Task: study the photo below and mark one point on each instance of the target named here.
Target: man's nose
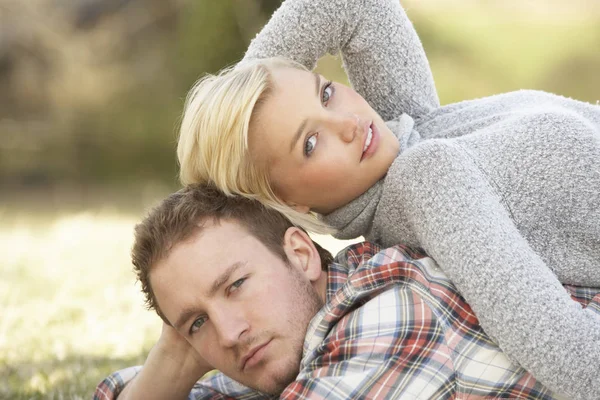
(346, 126)
(230, 328)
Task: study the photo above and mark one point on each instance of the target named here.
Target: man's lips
(253, 356)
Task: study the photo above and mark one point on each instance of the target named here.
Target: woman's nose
(347, 126)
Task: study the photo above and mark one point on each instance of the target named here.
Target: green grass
(71, 313)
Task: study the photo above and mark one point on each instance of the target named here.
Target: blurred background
(91, 92)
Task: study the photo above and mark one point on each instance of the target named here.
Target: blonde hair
(213, 138)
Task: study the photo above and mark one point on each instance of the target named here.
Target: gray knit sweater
(503, 192)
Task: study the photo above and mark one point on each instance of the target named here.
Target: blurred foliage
(487, 49)
(92, 91)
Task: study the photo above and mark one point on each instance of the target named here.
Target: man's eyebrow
(305, 121)
(187, 313)
(224, 277)
(184, 316)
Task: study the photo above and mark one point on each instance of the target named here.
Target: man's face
(240, 306)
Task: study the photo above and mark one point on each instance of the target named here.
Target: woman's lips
(370, 146)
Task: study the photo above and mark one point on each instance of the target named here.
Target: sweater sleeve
(461, 223)
(382, 53)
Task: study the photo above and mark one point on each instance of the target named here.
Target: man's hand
(173, 346)
(170, 371)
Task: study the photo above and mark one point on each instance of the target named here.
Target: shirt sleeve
(391, 347)
(462, 223)
(114, 384)
(214, 387)
(382, 53)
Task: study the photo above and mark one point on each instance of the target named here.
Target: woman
(503, 191)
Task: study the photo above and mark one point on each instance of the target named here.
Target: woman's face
(322, 143)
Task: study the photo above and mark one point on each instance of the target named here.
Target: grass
(71, 311)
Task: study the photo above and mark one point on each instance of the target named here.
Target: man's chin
(275, 377)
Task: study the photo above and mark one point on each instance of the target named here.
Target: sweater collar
(355, 218)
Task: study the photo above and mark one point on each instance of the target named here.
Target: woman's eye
(327, 93)
(310, 145)
(197, 324)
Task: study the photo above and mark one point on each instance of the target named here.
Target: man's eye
(197, 324)
(236, 285)
(310, 145)
(327, 93)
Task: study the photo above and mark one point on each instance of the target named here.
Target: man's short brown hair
(183, 214)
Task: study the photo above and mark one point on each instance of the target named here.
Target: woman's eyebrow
(317, 83)
(298, 134)
(305, 120)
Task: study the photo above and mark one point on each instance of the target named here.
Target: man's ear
(302, 253)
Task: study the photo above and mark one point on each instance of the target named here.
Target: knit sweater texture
(503, 192)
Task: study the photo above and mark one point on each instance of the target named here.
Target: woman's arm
(461, 223)
(382, 53)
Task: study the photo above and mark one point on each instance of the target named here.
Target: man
(243, 291)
